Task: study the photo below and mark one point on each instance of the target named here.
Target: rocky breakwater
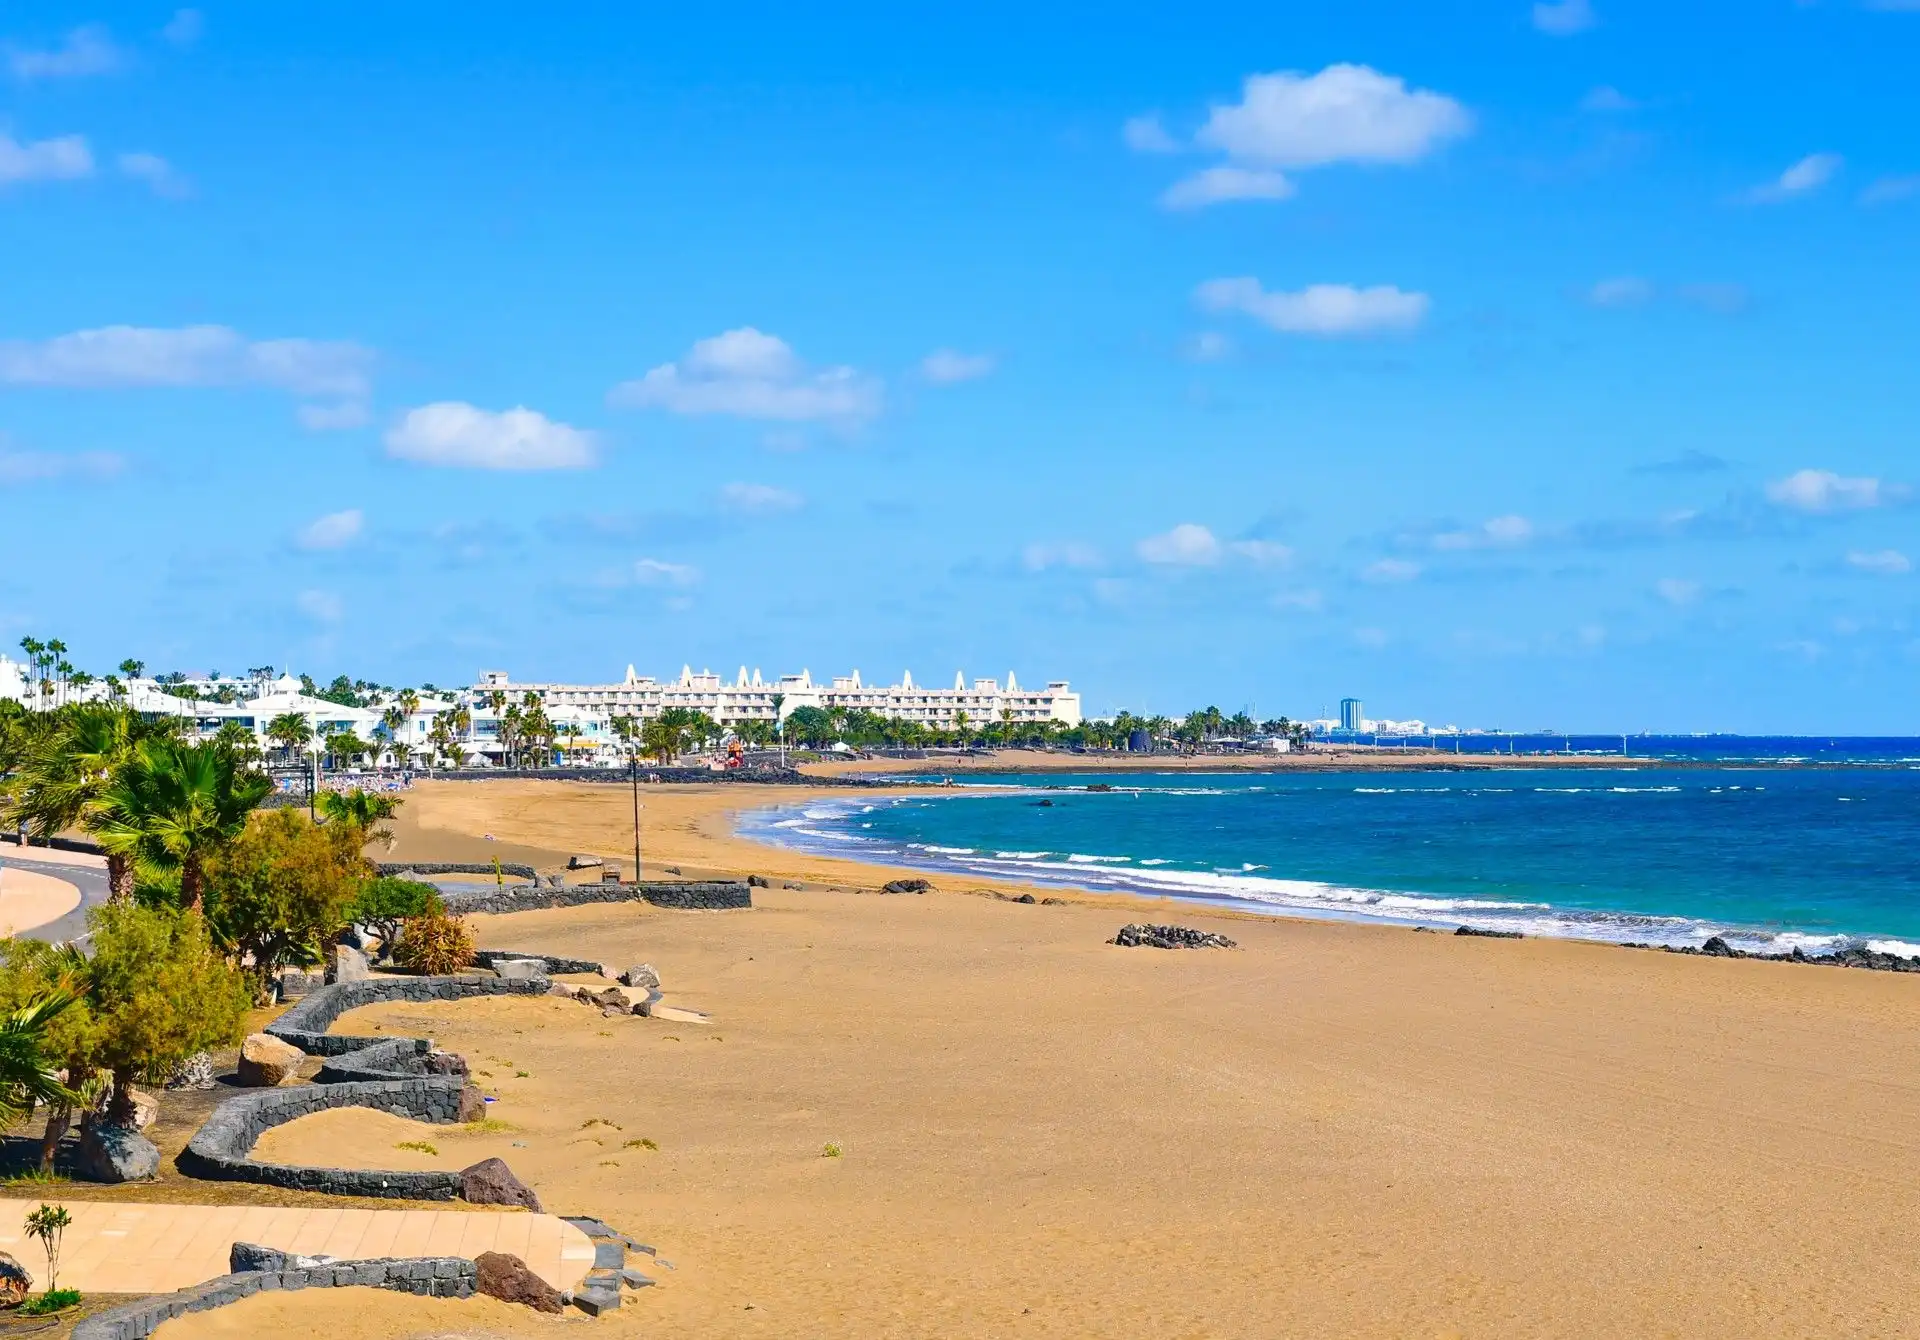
(1851, 956)
(1148, 936)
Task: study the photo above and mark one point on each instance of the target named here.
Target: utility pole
(633, 774)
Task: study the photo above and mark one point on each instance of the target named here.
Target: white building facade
(752, 697)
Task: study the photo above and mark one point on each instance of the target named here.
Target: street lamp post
(633, 774)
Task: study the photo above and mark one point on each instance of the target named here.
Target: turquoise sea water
(1768, 857)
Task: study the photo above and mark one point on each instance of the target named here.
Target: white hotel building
(751, 698)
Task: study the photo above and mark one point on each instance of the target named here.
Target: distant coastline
(1893, 753)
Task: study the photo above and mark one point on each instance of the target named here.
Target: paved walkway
(115, 1247)
(86, 874)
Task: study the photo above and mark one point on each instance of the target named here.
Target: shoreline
(697, 831)
(1328, 901)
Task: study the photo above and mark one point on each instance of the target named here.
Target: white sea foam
(1247, 886)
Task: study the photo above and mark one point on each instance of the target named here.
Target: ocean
(1768, 857)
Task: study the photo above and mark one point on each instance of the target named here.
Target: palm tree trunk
(59, 1122)
(190, 881)
(120, 1111)
(119, 879)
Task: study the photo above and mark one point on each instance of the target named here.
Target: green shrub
(53, 1300)
(278, 894)
(385, 902)
(435, 944)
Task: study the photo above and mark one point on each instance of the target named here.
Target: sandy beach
(1332, 1130)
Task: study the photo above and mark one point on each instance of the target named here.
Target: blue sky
(1513, 365)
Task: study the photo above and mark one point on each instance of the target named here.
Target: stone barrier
(687, 895)
(396, 1058)
(306, 1022)
(221, 1150)
(429, 1276)
(514, 868)
(553, 963)
(86, 846)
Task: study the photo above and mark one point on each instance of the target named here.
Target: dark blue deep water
(1770, 857)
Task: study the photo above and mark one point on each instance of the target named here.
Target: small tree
(49, 1224)
(387, 902)
(278, 894)
(159, 991)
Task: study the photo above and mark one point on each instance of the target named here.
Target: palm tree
(239, 741)
(393, 719)
(345, 747)
(27, 1074)
(290, 731)
(171, 805)
(360, 809)
(67, 773)
(133, 669)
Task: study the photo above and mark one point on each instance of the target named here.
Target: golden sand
(1334, 1130)
(29, 899)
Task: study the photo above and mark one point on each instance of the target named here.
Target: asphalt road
(92, 884)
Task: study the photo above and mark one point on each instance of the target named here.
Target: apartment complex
(752, 697)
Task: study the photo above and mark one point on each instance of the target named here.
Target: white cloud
(1624, 291)
(34, 467)
(61, 159)
(1145, 134)
(759, 499)
(1607, 98)
(1041, 555)
(332, 418)
(751, 375)
(1389, 570)
(84, 51)
(1209, 346)
(335, 530)
(1186, 545)
(658, 572)
(1212, 186)
(122, 356)
(1345, 113)
(320, 606)
(156, 172)
(1565, 18)
(945, 366)
(454, 433)
(1725, 299)
(1306, 602)
(184, 28)
(1502, 532)
(1319, 309)
(1263, 553)
(1677, 590)
(1887, 190)
(1825, 491)
(1372, 637)
(1809, 174)
(1882, 562)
